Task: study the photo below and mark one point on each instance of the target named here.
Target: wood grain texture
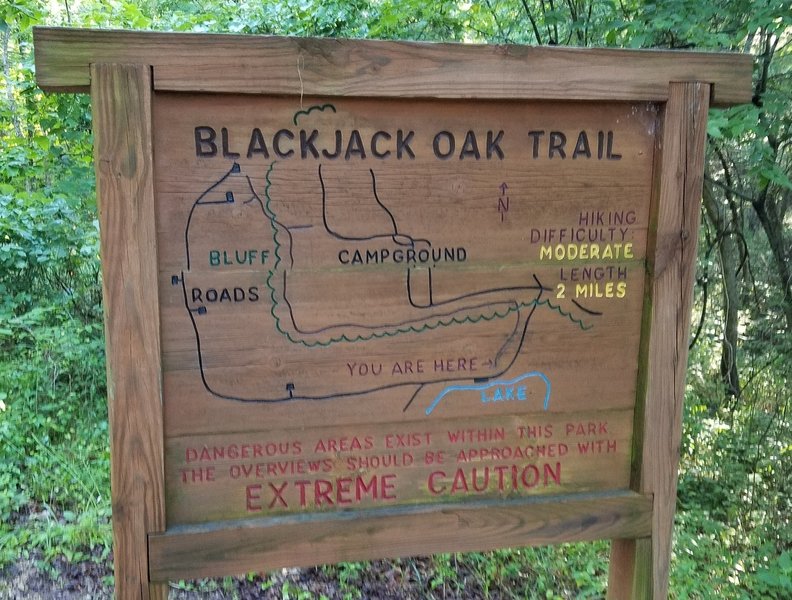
(279, 371)
(672, 267)
(121, 96)
(410, 479)
(146, 238)
(311, 66)
(205, 551)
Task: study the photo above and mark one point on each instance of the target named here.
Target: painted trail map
(380, 303)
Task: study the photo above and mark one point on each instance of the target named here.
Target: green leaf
(774, 174)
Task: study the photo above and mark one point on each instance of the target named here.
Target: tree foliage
(735, 491)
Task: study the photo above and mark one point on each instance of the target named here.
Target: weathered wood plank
(121, 97)
(350, 411)
(232, 496)
(204, 551)
(330, 67)
(671, 265)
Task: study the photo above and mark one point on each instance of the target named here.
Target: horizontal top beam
(335, 67)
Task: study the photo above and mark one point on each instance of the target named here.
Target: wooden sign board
(362, 312)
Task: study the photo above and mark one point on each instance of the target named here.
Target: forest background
(733, 534)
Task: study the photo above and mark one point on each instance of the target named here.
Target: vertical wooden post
(640, 568)
(121, 96)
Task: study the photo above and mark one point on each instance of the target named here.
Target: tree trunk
(729, 253)
(773, 228)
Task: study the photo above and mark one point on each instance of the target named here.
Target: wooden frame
(122, 69)
(269, 65)
(125, 191)
(645, 563)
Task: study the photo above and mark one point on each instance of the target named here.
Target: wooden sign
(371, 299)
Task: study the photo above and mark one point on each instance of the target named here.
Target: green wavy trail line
(398, 330)
(308, 111)
(563, 313)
